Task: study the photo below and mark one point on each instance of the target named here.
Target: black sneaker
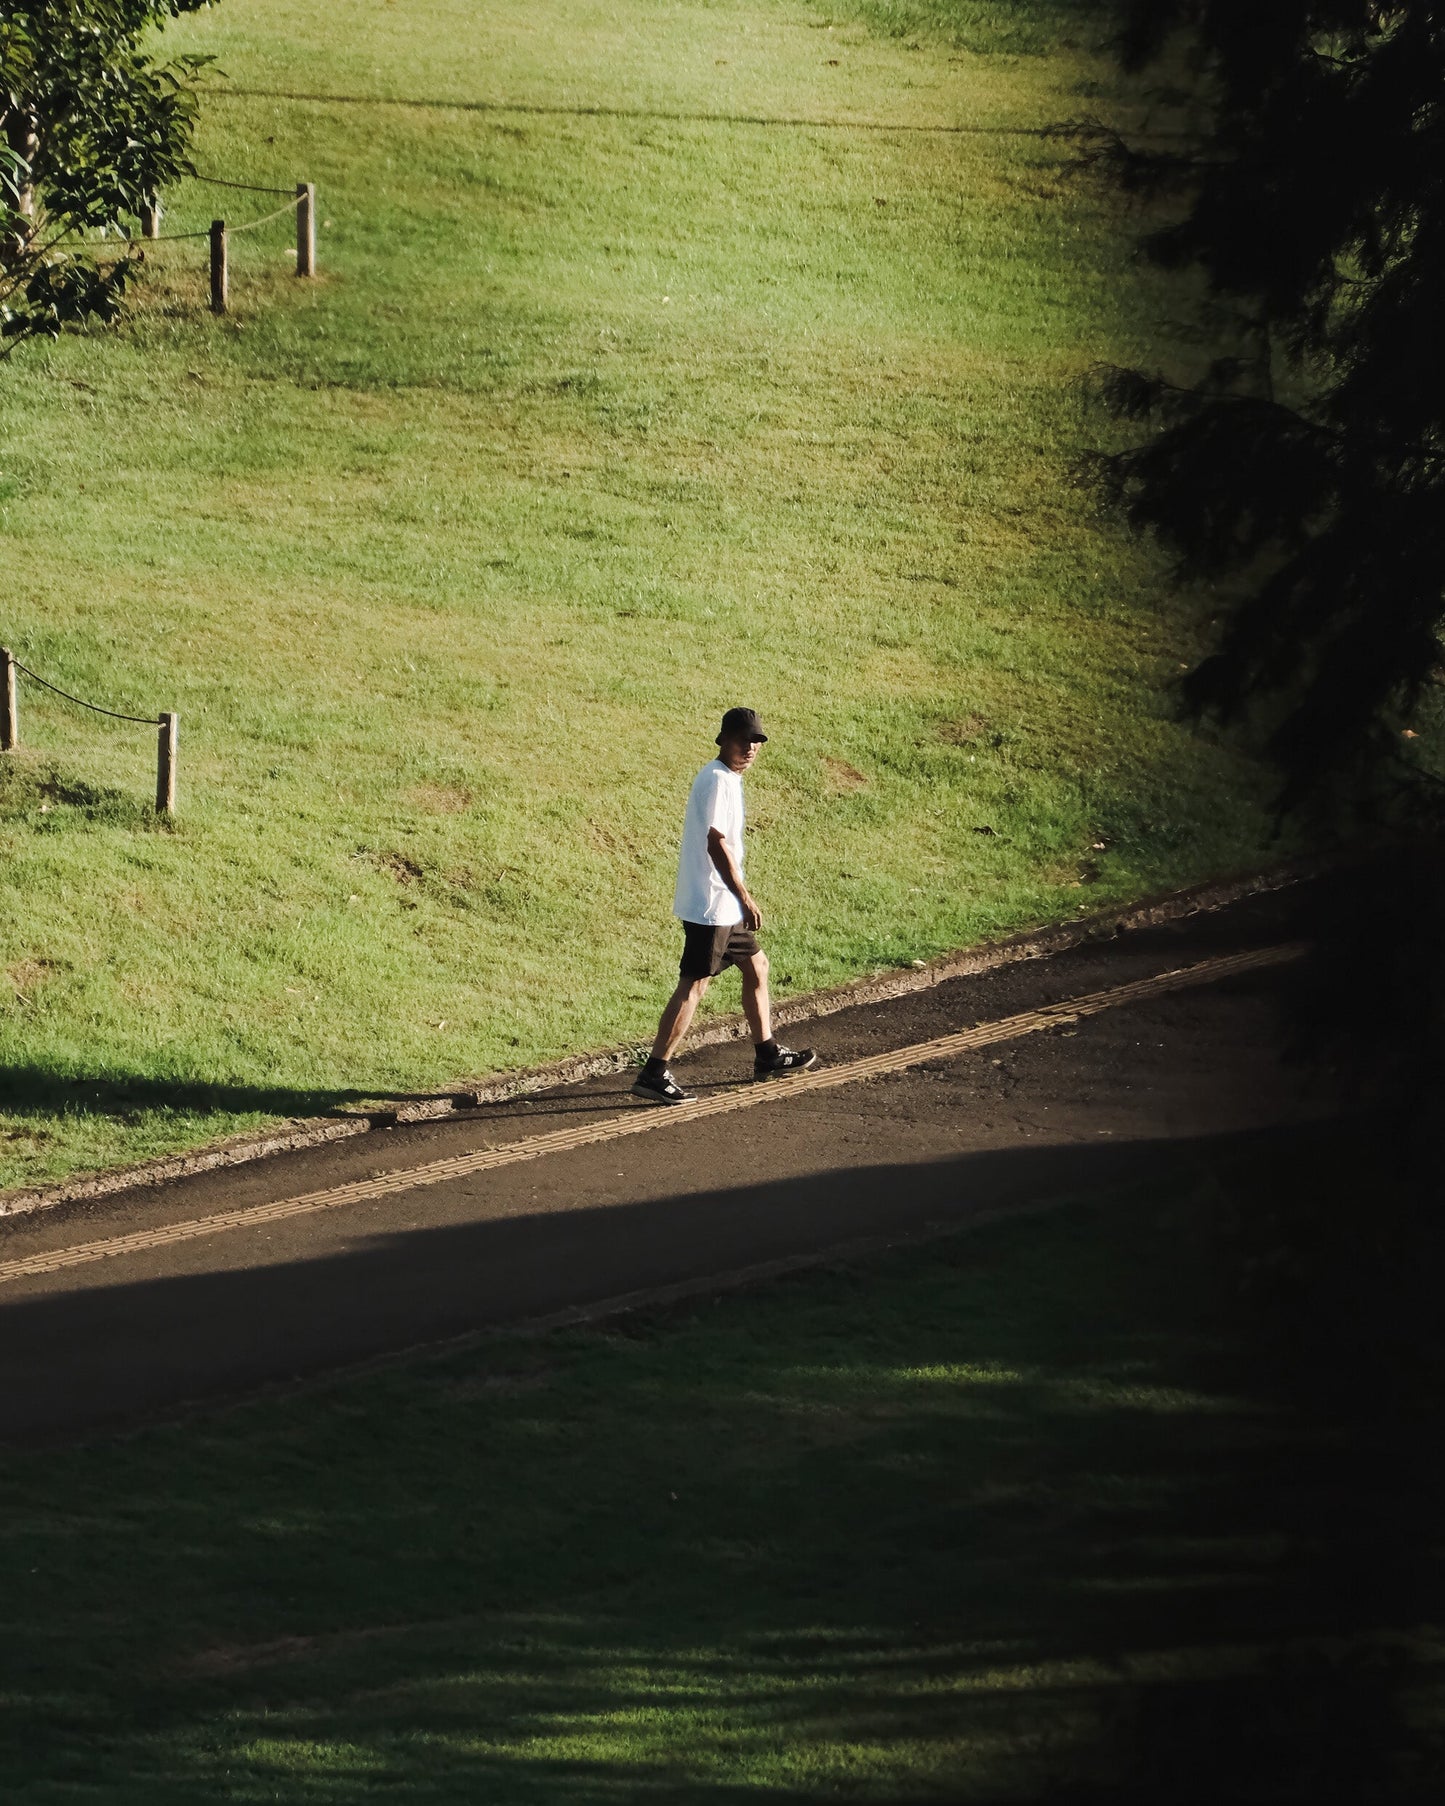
(782, 1061)
(662, 1089)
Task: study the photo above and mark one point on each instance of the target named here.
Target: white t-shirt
(715, 801)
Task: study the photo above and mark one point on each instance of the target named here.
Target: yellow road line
(643, 1119)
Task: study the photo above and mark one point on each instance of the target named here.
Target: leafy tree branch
(92, 127)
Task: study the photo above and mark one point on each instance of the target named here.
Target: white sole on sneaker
(649, 1096)
(760, 1078)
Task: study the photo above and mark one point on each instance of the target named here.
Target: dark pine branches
(1306, 472)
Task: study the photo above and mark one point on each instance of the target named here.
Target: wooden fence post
(150, 219)
(166, 766)
(305, 228)
(9, 714)
(219, 273)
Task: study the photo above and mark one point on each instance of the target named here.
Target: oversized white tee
(715, 801)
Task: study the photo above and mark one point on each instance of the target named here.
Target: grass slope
(1033, 1514)
(625, 394)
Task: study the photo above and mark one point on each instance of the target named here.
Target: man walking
(719, 917)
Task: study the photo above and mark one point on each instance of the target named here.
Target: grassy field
(1034, 1514)
(663, 356)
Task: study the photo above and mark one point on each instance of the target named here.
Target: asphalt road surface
(113, 1311)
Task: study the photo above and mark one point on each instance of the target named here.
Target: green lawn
(1034, 1514)
(625, 393)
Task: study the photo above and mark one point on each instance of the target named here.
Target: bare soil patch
(963, 732)
(439, 799)
(843, 777)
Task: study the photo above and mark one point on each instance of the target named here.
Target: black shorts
(706, 948)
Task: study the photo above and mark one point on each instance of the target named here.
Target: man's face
(737, 752)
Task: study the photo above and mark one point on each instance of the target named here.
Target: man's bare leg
(772, 1061)
(677, 1017)
(757, 1005)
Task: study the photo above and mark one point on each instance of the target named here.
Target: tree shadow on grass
(1021, 1516)
(34, 1091)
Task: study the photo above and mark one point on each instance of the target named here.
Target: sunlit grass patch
(639, 379)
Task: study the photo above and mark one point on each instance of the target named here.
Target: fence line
(266, 218)
(246, 225)
(302, 203)
(115, 715)
(219, 232)
(163, 238)
(247, 187)
(167, 723)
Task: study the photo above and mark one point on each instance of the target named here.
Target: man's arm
(721, 855)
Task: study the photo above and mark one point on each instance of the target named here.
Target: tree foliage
(1304, 473)
(94, 126)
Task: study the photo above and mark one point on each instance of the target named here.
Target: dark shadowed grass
(1033, 1514)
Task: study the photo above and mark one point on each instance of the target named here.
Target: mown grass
(1033, 1514)
(612, 406)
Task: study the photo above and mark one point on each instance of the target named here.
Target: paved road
(1142, 1087)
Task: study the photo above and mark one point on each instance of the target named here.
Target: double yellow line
(641, 1121)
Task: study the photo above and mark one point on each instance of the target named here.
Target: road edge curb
(296, 1134)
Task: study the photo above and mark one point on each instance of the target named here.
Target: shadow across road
(108, 1342)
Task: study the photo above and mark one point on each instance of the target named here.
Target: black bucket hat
(740, 723)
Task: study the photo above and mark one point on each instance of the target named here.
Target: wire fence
(166, 723)
(220, 232)
(303, 203)
(246, 187)
(94, 707)
(246, 225)
(275, 213)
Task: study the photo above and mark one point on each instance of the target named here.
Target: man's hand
(721, 856)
